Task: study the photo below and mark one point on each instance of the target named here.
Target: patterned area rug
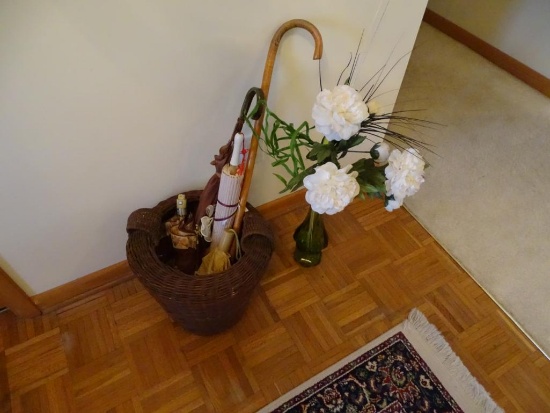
(409, 369)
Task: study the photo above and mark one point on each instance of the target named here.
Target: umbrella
(210, 192)
(218, 259)
(228, 194)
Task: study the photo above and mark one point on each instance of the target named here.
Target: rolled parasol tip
(237, 146)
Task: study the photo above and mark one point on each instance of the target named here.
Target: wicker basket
(205, 304)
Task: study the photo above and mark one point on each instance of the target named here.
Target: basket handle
(148, 220)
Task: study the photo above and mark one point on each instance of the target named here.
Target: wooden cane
(266, 83)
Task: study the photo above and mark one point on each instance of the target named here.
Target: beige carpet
(487, 198)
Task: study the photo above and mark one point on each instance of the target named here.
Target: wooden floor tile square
(269, 353)
(33, 362)
(458, 309)
(287, 300)
(331, 276)
(198, 348)
(53, 396)
(89, 336)
(351, 309)
(386, 289)
(177, 394)
(103, 384)
(125, 290)
(137, 313)
(312, 331)
(227, 382)
(267, 345)
(28, 328)
(259, 315)
(371, 214)
(417, 231)
(493, 348)
(400, 242)
(365, 253)
(342, 228)
(528, 386)
(423, 271)
(154, 356)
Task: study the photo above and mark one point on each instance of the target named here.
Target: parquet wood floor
(118, 352)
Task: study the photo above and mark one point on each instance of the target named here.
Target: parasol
(228, 193)
(210, 191)
(218, 259)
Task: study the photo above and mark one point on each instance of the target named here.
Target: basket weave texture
(206, 304)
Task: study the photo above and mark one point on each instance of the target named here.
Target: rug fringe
(418, 322)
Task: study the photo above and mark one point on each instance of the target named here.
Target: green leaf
(370, 188)
(280, 161)
(281, 179)
(320, 152)
(297, 181)
(355, 140)
(344, 146)
(370, 177)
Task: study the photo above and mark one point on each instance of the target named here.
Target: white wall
(519, 28)
(109, 106)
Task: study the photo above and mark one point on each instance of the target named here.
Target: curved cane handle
(266, 83)
(274, 46)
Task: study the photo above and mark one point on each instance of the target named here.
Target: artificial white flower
(338, 113)
(380, 152)
(404, 174)
(329, 189)
(373, 107)
(392, 204)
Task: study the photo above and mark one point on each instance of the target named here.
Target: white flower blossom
(392, 205)
(373, 107)
(338, 113)
(404, 175)
(329, 189)
(380, 152)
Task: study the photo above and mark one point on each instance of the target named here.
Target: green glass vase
(311, 238)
